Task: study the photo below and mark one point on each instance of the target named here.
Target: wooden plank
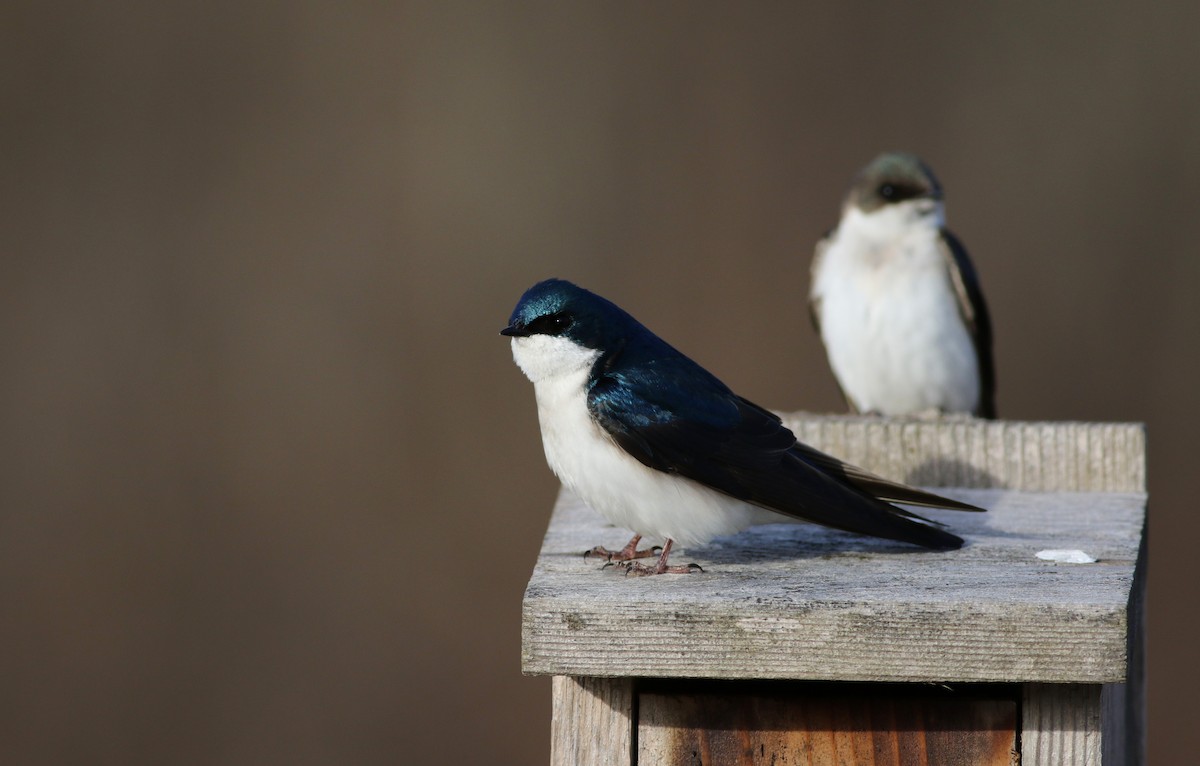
(791, 724)
(805, 602)
(1060, 724)
(591, 722)
(964, 452)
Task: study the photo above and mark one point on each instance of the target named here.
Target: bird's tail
(854, 500)
(911, 528)
(877, 486)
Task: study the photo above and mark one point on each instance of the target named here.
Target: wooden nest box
(804, 645)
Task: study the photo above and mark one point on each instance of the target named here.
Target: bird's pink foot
(661, 567)
(628, 553)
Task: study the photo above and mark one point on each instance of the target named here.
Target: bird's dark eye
(894, 192)
(550, 324)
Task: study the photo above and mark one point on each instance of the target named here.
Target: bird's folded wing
(718, 439)
(974, 311)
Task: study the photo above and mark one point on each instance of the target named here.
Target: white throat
(892, 222)
(588, 462)
(545, 357)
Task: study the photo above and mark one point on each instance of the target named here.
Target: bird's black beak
(515, 331)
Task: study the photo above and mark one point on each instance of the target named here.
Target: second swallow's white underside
(890, 318)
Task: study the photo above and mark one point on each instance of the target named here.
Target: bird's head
(558, 328)
(896, 179)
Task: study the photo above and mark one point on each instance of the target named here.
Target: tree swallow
(897, 302)
(657, 445)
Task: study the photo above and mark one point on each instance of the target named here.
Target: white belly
(891, 326)
(625, 492)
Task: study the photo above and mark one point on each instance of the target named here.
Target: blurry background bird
(658, 445)
(897, 301)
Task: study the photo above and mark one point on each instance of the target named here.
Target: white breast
(608, 479)
(889, 316)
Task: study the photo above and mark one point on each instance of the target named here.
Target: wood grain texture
(1061, 725)
(984, 454)
(592, 722)
(805, 602)
(887, 726)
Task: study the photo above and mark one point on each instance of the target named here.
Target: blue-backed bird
(658, 445)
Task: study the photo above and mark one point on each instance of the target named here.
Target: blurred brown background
(271, 484)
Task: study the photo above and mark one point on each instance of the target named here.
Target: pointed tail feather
(877, 486)
(925, 535)
(856, 512)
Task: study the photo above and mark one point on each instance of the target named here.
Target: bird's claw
(641, 570)
(628, 553)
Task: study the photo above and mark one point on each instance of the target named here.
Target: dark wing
(877, 486)
(702, 431)
(974, 312)
(814, 308)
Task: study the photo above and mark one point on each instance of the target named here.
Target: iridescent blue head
(558, 309)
